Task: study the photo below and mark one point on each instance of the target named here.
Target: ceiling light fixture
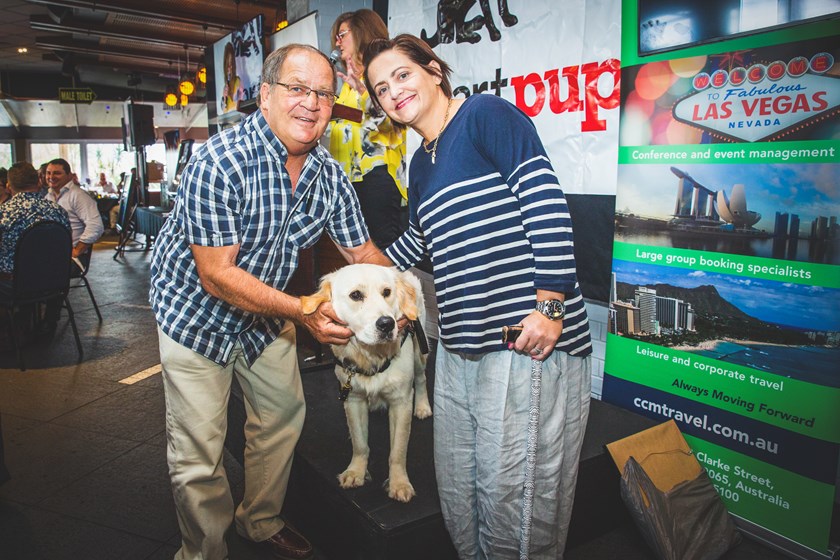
(186, 86)
(22, 50)
(170, 97)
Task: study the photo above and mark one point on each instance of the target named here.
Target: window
(112, 159)
(6, 155)
(42, 153)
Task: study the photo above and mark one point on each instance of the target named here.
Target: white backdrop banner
(558, 62)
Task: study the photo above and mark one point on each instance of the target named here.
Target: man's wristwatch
(554, 309)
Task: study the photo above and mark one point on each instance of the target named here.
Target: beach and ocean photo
(779, 327)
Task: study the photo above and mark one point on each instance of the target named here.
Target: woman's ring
(537, 351)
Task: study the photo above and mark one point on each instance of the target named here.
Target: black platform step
(363, 523)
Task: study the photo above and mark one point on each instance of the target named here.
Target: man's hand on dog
(325, 325)
(327, 328)
(539, 336)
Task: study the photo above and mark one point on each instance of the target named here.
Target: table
(148, 220)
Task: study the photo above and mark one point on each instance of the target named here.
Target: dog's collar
(352, 368)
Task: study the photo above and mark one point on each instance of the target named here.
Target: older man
(250, 199)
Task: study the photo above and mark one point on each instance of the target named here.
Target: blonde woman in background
(232, 91)
(371, 152)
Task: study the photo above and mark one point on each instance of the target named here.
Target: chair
(79, 270)
(37, 278)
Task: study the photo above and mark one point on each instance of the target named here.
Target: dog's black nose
(385, 324)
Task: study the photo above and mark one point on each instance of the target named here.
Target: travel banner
(725, 292)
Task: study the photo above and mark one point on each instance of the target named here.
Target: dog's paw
(422, 410)
(352, 479)
(400, 491)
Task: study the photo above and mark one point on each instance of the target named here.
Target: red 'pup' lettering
(591, 101)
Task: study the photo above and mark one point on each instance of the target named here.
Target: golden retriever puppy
(380, 366)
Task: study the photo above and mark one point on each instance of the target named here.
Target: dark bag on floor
(670, 497)
(689, 522)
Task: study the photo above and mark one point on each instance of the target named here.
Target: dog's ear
(407, 297)
(310, 303)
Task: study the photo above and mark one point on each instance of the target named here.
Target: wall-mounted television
(237, 65)
(666, 25)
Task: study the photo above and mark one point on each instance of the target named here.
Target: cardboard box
(662, 451)
(154, 172)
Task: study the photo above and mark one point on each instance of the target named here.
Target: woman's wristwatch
(553, 309)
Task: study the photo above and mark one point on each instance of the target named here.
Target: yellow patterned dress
(359, 147)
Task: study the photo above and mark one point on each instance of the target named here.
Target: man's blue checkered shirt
(235, 190)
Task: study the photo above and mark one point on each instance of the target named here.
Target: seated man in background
(26, 208)
(85, 223)
(104, 185)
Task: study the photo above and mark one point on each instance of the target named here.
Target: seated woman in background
(371, 152)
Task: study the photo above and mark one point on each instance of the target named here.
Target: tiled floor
(86, 452)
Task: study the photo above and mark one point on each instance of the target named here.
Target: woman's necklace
(433, 149)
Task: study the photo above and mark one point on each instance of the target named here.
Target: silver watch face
(554, 309)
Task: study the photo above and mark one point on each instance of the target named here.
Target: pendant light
(170, 98)
(186, 86)
(201, 73)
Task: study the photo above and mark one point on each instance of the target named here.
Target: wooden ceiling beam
(163, 9)
(113, 64)
(69, 26)
(72, 45)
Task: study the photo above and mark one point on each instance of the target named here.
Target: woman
(486, 204)
(371, 152)
(232, 92)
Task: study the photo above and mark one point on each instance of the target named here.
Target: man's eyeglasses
(297, 91)
(341, 35)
